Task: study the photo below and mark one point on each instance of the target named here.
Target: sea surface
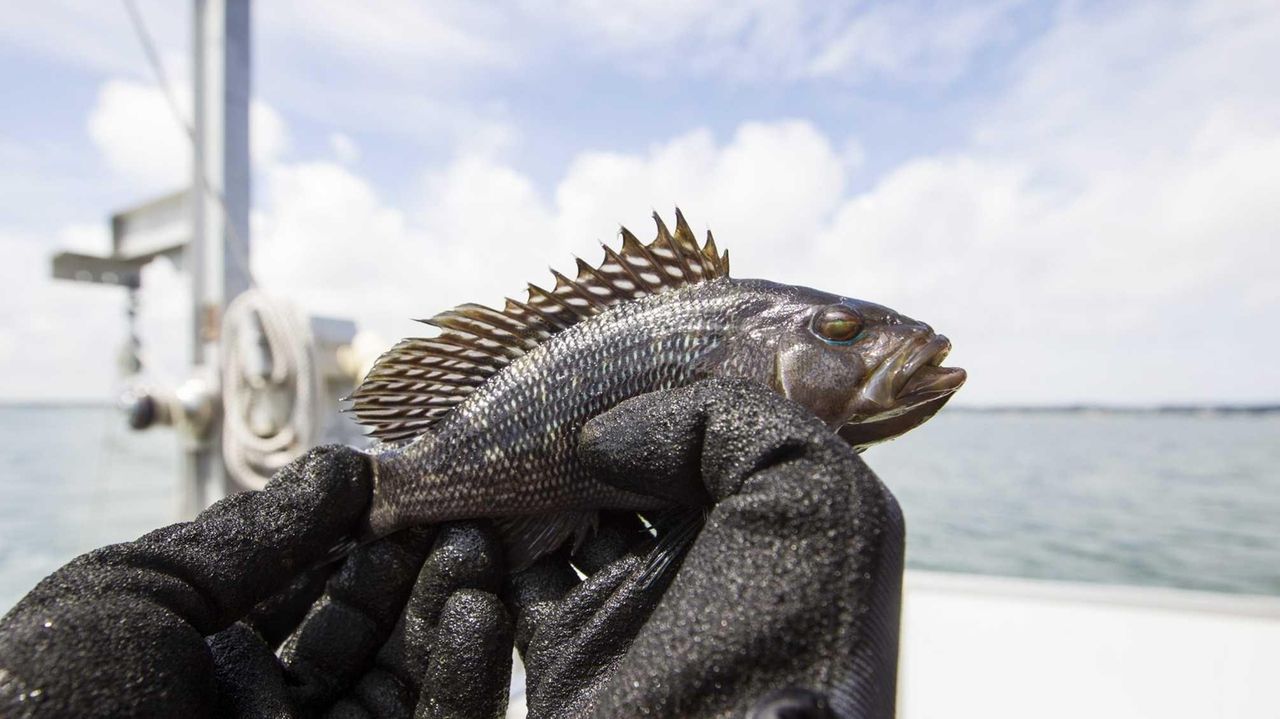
(1179, 500)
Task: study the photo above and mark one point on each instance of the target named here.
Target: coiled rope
(270, 387)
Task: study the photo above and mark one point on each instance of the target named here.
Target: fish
(483, 419)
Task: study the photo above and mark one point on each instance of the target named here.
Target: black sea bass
(483, 420)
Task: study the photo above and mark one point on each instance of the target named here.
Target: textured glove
(786, 605)
(185, 621)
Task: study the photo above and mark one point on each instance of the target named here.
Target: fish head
(867, 371)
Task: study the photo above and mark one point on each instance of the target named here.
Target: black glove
(185, 621)
(786, 605)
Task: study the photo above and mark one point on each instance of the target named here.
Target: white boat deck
(993, 647)
(996, 648)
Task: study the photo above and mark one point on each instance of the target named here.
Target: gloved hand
(184, 621)
(786, 605)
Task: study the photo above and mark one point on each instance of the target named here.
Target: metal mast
(219, 248)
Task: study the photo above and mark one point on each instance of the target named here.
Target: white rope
(253, 450)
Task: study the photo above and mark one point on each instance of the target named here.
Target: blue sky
(1081, 195)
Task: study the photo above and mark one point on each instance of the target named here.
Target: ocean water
(1146, 499)
(1175, 500)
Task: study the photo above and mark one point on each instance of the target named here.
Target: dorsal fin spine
(554, 299)
(498, 335)
(636, 279)
(503, 321)
(478, 340)
(599, 279)
(632, 246)
(688, 245)
(577, 290)
(710, 255)
(545, 317)
(664, 236)
(452, 379)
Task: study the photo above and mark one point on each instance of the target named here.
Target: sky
(1085, 197)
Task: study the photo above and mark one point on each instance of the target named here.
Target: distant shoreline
(55, 404)
(1117, 409)
(1180, 409)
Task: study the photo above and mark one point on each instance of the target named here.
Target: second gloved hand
(786, 605)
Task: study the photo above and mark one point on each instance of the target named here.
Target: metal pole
(236, 168)
(218, 255)
(196, 249)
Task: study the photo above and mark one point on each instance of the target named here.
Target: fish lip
(927, 353)
(923, 378)
(909, 377)
(863, 434)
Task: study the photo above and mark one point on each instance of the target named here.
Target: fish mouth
(904, 391)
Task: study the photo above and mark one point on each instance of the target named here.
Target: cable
(153, 57)
(166, 88)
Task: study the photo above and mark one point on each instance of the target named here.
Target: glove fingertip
(342, 475)
(470, 669)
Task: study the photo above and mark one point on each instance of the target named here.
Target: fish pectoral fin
(531, 537)
(677, 531)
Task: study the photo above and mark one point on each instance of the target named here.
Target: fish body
(491, 410)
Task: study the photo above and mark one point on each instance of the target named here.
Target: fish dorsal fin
(420, 380)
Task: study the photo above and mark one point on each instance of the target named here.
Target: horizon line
(1150, 407)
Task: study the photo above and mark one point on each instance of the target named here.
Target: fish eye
(837, 325)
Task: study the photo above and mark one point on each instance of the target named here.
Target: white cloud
(344, 148)
(325, 239)
(756, 39)
(137, 133)
(1103, 237)
(771, 40)
(397, 36)
(96, 36)
(51, 326)
(392, 34)
(483, 231)
(1103, 244)
(328, 241)
(908, 41)
(139, 137)
(268, 136)
(767, 190)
